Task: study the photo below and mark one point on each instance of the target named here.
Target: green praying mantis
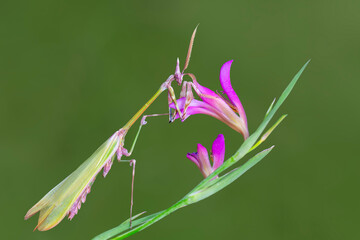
(66, 197)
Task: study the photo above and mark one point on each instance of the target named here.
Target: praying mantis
(66, 197)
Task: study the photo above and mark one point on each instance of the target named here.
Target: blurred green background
(73, 72)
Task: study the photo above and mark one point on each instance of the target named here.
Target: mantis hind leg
(132, 164)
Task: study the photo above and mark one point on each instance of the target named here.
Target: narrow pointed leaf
(268, 132)
(270, 108)
(124, 227)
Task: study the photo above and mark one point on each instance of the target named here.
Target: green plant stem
(173, 208)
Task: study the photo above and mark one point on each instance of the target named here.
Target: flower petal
(219, 110)
(221, 106)
(206, 94)
(204, 162)
(195, 107)
(218, 151)
(229, 91)
(194, 157)
(204, 91)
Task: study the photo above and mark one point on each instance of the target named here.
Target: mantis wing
(67, 196)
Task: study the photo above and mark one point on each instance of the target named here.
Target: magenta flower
(228, 110)
(201, 157)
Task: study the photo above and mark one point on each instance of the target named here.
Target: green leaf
(124, 227)
(153, 220)
(270, 108)
(268, 132)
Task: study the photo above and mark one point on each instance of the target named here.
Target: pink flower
(228, 110)
(201, 157)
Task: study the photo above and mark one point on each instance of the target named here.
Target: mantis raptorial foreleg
(172, 112)
(183, 89)
(196, 89)
(172, 97)
(186, 91)
(188, 94)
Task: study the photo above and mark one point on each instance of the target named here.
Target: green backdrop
(73, 72)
